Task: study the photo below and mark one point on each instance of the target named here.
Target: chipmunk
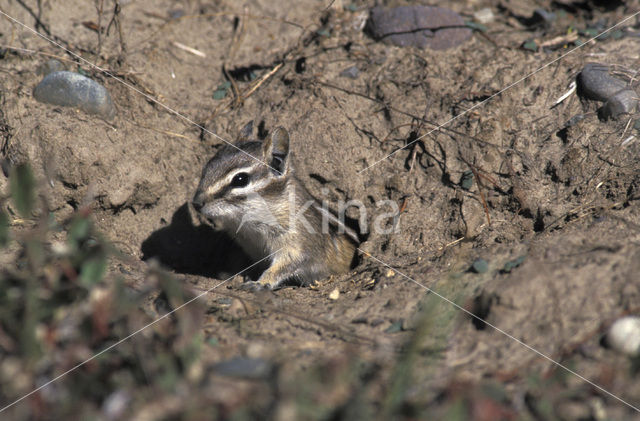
(250, 191)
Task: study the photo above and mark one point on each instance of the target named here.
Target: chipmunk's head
(244, 178)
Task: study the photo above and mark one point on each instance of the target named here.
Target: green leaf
(466, 181)
(480, 266)
(22, 185)
(531, 46)
(79, 229)
(93, 270)
(4, 229)
(219, 94)
(476, 26)
(512, 264)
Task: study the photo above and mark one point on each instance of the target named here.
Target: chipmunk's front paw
(251, 286)
(255, 286)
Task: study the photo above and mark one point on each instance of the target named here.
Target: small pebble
(71, 89)
(395, 327)
(418, 26)
(597, 83)
(115, 405)
(244, 368)
(335, 294)
(624, 336)
(484, 15)
(623, 102)
(512, 264)
(575, 120)
(530, 45)
(480, 266)
(350, 72)
(176, 13)
(466, 181)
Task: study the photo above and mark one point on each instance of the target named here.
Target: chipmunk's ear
(275, 150)
(245, 133)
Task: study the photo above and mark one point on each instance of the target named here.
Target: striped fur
(259, 216)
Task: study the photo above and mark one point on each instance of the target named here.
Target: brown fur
(258, 214)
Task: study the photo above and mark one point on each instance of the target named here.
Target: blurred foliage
(73, 326)
(58, 309)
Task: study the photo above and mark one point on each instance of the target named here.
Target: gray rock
(624, 336)
(624, 102)
(244, 368)
(596, 82)
(71, 89)
(350, 72)
(418, 26)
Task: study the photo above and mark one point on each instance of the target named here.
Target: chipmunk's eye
(240, 180)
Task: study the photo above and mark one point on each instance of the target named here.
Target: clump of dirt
(481, 163)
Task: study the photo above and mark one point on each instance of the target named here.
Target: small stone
(71, 89)
(350, 72)
(484, 15)
(624, 336)
(244, 368)
(219, 94)
(335, 294)
(221, 90)
(530, 45)
(176, 13)
(575, 120)
(395, 327)
(390, 273)
(512, 264)
(115, 405)
(466, 181)
(418, 26)
(624, 102)
(595, 82)
(480, 266)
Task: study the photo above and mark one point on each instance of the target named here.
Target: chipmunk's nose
(197, 202)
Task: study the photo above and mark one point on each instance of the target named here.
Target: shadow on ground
(196, 249)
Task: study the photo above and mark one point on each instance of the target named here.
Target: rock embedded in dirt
(418, 26)
(596, 82)
(244, 368)
(484, 16)
(624, 102)
(350, 72)
(624, 336)
(71, 89)
(480, 266)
